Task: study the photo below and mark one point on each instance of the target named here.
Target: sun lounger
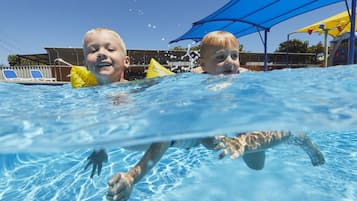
(37, 75)
(9, 74)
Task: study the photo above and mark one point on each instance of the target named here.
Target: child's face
(105, 57)
(221, 60)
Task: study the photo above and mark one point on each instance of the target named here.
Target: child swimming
(220, 55)
(105, 56)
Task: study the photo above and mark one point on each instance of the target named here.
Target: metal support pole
(265, 50)
(287, 51)
(326, 47)
(351, 52)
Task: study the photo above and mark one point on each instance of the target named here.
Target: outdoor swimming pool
(46, 133)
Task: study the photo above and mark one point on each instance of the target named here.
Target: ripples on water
(49, 149)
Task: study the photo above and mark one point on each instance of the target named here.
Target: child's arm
(252, 145)
(121, 184)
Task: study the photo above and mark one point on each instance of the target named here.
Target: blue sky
(27, 27)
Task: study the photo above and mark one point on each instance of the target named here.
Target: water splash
(193, 56)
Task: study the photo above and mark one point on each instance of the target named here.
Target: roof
(71, 55)
(243, 17)
(39, 58)
(334, 25)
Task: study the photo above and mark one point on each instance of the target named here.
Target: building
(177, 61)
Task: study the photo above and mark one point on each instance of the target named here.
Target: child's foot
(316, 156)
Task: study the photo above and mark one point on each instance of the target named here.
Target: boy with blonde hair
(220, 55)
(105, 55)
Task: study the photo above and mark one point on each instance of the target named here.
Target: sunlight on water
(194, 174)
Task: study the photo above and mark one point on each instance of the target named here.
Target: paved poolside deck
(35, 82)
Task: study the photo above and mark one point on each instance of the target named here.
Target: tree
(15, 60)
(197, 48)
(179, 48)
(294, 45)
(318, 48)
(241, 48)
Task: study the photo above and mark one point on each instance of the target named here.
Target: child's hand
(120, 187)
(96, 159)
(230, 145)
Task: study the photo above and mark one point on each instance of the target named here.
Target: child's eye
(234, 55)
(92, 50)
(220, 57)
(110, 48)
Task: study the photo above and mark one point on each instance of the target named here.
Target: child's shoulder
(197, 70)
(242, 70)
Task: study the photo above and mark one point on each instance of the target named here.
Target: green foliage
(197, 48)
(294, 45)
(297, 46)
(241, 48)
(179, 48)
(318, 48)
(15, 60)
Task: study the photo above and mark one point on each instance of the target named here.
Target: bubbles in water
(151, 163)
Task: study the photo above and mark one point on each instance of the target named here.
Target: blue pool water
(46, 133)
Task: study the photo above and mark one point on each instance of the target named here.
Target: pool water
(46, 133)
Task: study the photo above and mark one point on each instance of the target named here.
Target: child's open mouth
(103, 64)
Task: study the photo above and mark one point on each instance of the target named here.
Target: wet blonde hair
(218, 39)
(121, 42)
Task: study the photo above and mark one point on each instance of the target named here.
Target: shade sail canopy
(243, 17)
(334, 25)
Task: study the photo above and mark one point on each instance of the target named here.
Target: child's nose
(101, 56)
(102, 53)
(229, 59)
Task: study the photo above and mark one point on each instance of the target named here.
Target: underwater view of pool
(47, 132)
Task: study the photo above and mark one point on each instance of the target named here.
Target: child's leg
(262, 140)
(255, 160)
(310, 148)
(252, 146)
(255, 144)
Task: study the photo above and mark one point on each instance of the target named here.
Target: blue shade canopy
(243, 17)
